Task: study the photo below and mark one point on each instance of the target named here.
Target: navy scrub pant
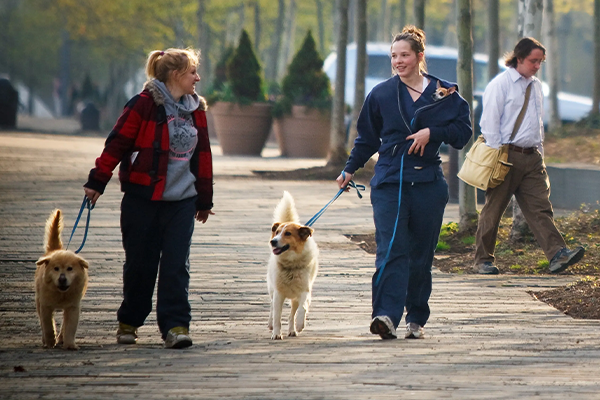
(406, 278)
(156, 237)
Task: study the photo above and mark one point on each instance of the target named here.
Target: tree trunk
(530, 18)
(453, 154)
(30, 100)
(321, 27)
(119, 74)
(203, 43)
(276, 47)
(419, 13)
(464, 72)
(450, 38)
(257, 27)
(402, 14)
(351, 17)
(361, 66)
(493, 38)
(287, 52)
(384, 34)
(596, 102)
(531, 27)
(337, 151)
(551, 67)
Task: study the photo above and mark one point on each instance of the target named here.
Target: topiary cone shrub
(305, 83)
(244, 72)
(241, 116)
(302, 113)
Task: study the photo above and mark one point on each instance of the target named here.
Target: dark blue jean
(406, 278)
(156, 237)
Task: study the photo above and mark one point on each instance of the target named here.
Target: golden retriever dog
(61, 280)
(292, 267)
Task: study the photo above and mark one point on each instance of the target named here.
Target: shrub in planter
(303, 111)
(242, 117)
(217, 86)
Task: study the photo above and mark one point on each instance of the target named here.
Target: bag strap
(522, 113)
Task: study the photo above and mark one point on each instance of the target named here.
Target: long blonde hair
(161, 64)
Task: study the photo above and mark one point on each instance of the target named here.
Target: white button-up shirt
(502, 102)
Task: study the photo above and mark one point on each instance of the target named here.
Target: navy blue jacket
(383, 127)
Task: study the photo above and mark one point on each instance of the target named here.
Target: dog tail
(286, 210)
(54, 226)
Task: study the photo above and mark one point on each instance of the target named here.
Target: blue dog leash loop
(85, 204)
(351, 184)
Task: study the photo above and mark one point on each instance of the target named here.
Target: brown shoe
(486, 268)
(564, 258)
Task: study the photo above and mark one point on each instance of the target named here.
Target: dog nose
(62, 279)
(273, 242)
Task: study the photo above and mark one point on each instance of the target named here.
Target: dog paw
(276, 337)
(293, 334)
(72, 346)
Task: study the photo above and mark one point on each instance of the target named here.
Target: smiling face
(405, 61)
(530, 65)
(186, 82)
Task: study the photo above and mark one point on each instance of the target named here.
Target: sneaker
(486, 268)
(177, 338)
(564, 258)
(383, 326)
(126, 334)
(414, 331)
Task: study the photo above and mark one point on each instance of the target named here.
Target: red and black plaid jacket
(142, 128)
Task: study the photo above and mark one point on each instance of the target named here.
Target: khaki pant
(529, 182)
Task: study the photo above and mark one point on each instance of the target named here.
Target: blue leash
(85, 204)
(358, 188)
(387, 256)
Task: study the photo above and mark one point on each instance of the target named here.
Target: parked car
(441, 62)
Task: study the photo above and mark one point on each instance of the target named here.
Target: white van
(441, 62)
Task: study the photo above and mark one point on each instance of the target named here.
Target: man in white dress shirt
(527, 180)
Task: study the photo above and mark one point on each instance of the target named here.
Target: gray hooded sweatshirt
(183, 138)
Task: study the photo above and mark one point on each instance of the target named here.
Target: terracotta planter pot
(303, 134)
(242, 130)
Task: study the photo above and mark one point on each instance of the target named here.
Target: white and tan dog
(60, 283)
(292, 267)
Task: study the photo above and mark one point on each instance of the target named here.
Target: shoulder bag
(485, 167)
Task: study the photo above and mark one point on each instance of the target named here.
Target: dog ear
(275, 226)
(438, 85)
(305, 232)
(451, 90)
(43, 261)
(84, 264)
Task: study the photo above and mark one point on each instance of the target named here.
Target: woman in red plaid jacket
(161, 143)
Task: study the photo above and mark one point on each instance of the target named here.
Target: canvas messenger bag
(485, 167)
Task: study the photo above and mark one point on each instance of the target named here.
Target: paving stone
(486, 339)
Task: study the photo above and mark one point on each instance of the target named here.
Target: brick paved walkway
(486, 339)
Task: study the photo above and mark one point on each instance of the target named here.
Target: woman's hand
(91, 194)
(202, 215)
(421, 138)
(344, 179)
